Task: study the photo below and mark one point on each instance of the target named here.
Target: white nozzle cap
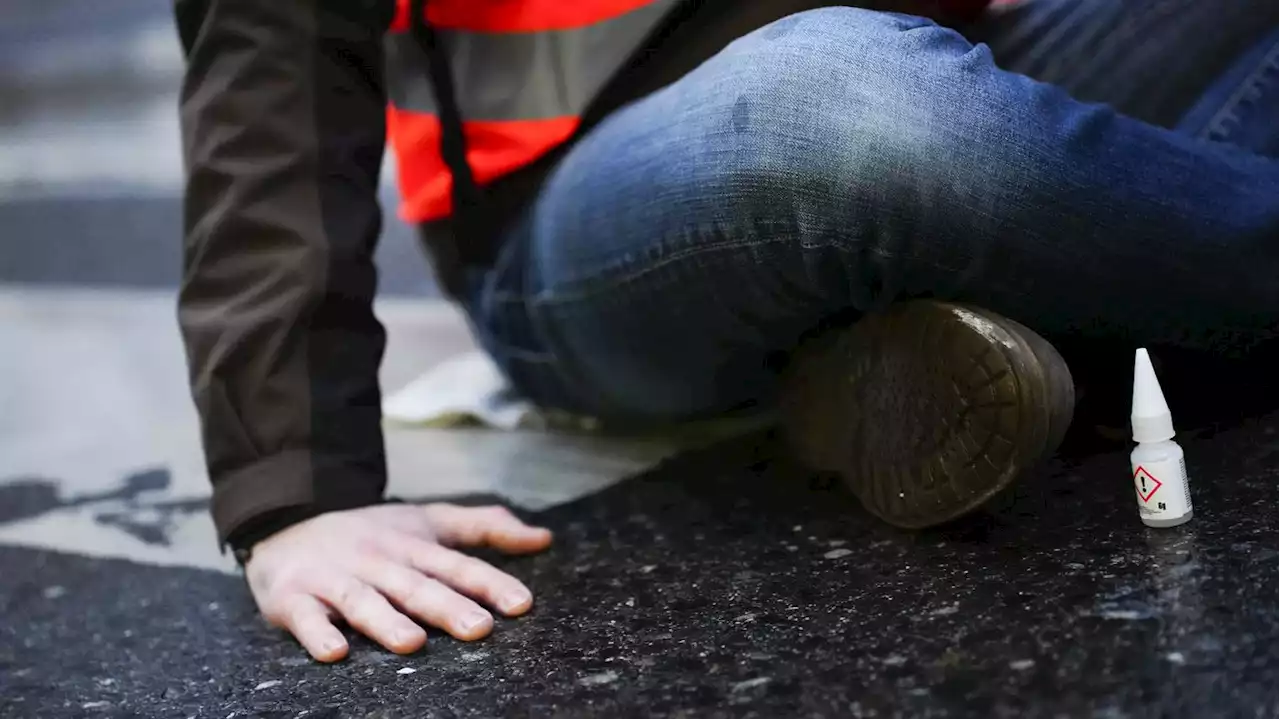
(1151, 419)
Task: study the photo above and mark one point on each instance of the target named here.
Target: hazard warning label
(1146, 484)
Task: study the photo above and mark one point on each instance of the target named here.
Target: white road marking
(100, 452)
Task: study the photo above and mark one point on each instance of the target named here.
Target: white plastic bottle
(1158, 464)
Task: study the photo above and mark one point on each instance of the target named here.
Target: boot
(927, 410)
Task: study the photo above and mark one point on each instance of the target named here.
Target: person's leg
(840, 160)
(1149, 59)
(1240, 107)
(1205, 69)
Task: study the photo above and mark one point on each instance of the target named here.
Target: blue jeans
(841, 159)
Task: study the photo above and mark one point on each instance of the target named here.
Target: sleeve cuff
(282, 481)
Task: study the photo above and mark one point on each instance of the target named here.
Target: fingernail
(472, 621)
(406, 636)
(514, 601)
(331, 646)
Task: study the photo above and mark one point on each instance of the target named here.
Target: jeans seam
(1237, 98)
(589, 288)
(505, 302)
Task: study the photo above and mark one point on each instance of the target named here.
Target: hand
(375, 565)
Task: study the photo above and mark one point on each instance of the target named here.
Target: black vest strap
(469, 223)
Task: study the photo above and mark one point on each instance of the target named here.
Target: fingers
(470, 576)
(307, 619)
(492, 526)
(374, 565)
(371, 614)
(429, 600)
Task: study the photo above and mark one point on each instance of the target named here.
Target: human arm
(283, 127)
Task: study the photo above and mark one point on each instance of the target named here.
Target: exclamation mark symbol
(1143, 479)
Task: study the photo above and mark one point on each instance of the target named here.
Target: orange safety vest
(524, 71)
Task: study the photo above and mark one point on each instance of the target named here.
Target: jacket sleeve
(283, 129)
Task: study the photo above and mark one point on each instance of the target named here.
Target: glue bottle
(1159, 467)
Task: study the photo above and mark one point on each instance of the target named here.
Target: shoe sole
(927, 410)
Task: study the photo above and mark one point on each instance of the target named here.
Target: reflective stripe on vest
(523, 76)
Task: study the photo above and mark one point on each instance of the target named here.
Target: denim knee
(842, 96)
(841, 60)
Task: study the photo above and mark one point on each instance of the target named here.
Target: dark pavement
(728, 584)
